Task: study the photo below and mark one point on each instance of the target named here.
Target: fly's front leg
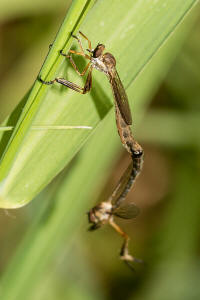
(75, 52)
(89, 42)
(71, 85)
(80, 43)
(81, 53)
(78, 53)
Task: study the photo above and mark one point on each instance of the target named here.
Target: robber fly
(115, 206)
(104, 212)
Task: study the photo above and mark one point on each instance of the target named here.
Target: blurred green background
(165, 235)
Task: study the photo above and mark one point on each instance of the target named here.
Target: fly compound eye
(98, 51)
(92, 217)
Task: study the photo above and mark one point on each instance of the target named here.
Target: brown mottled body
(105, 211)
(125, 133)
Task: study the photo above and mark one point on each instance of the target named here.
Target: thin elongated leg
(75, 66)
(124, 254)
(71, 85)
(85, 37)
(81, 46)
(74, 52)
(80, 43)
(73, 63)
(81, 53)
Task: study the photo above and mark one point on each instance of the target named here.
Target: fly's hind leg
(124, 253)
(71, 85)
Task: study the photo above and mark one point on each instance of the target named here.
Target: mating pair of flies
(104, 212)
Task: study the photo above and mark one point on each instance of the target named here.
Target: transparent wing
(120, 97)
(121, 208)
(119, 194)
(127, 211)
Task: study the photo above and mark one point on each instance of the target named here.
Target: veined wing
(121, 190)
(120, 97)
(127, 211)
(123, 187)
(120, 208)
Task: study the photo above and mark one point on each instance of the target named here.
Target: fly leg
(89, 42)
(81, 53)
(124, 253)
(74, 65)
(80, 43)
(71, 85)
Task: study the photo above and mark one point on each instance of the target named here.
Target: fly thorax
(109, 61)
(104, 211)
(106, 207)
(98, 64)
(101, 213)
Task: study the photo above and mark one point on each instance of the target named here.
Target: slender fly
(104, 212)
